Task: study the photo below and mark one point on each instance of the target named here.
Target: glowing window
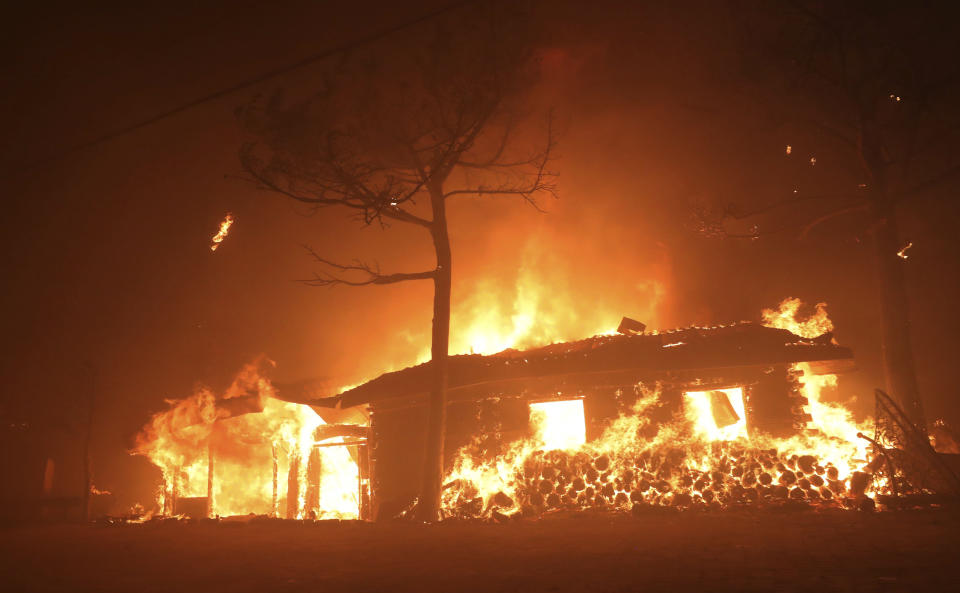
(718, 414)
(559, 424)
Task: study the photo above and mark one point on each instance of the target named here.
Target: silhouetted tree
(873, 86)
(394, 141)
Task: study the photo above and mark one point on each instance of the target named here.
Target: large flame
(542, 308)
(705, 457)
(245, 449)
(785, 316)
(831, 419)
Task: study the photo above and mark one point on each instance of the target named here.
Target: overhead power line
(250, 82)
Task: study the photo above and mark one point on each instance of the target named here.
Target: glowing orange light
(223, 232)
(619, 467)
(559, 424)
(718, 415)
(902, 254)
(245, 449)
(785, 317)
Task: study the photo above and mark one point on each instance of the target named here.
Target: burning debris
(902, 254)
(222, 232)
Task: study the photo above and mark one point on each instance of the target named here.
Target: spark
(222, 233)
(895, 97)
(813, 161)
(789, 149)
(902, 254)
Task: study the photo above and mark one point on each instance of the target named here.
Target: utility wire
(244, 85)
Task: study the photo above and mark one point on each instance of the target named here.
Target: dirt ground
(731, 551)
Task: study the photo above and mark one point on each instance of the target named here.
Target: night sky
(106, 249)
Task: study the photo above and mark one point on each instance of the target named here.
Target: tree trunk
(898, 366)
(898, 363)
(87, 438)
(429, 503)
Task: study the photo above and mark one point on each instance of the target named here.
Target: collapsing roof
(631, 355)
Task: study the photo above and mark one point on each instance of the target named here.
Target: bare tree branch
(736, 215)
(829, 216)
(540, 179)
(716, 229)
(494, 159)
(368, 274)
(345, 190)
(930, 183)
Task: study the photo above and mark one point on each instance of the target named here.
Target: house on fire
(745, 369)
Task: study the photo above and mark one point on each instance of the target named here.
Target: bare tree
(395, 141)
(874, 86)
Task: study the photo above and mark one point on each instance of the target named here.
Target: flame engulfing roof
(625, 356)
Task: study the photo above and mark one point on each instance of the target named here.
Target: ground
(761, 550)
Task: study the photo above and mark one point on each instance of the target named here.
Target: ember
(222, 232)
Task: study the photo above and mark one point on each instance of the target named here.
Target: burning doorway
(248, 452)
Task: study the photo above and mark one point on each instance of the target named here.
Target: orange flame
(245, 449)
(706, 457)
(559, 424)
(223, 232)
(830, 419)
(785, 317)
(536, 313)
(902, 254)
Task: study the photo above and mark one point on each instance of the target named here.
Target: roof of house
(738, 345)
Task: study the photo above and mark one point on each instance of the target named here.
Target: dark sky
(106, 257)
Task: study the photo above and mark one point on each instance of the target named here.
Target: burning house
(723, 383)
(249, 452)
(694, 416)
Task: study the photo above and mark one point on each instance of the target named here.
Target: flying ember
(223, 232)
(902, 254)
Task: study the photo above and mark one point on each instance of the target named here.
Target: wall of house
(486, 425)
